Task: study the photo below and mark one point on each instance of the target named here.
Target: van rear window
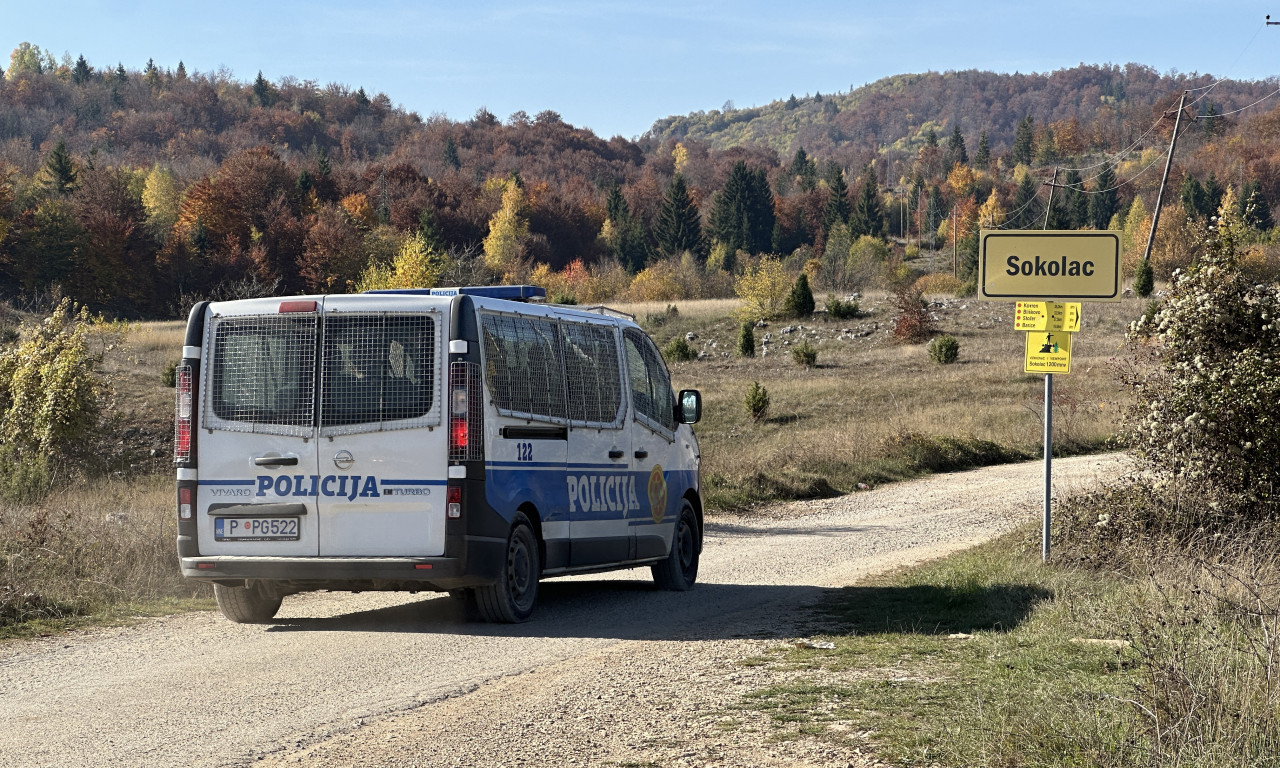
(377, 368)
(263, 372)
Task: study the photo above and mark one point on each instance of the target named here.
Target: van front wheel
(512, 598)
(253, 604)
(678, 572)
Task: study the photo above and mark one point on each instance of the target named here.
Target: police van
(470, 440)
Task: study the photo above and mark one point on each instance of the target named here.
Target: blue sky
(617, 67)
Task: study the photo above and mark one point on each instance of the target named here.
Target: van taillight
(182, 434)
(184, 503)
(465, 426)
(453, 500)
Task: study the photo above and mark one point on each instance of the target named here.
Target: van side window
(523, 366)
(592, 372)
(650, 383)
(263, 373)
(377, 369)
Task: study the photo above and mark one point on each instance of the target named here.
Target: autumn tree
(678, 227)
(508, 230)
(162, 200)
(333, 253)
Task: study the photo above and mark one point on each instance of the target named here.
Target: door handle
(642, 454)
(615, 454)
(275, 461)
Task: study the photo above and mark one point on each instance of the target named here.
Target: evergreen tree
(868, 215)
(1103, 203)
(931, 137)
(60, 172)
(678, 227)
(838, 208)
(792, 102)
(956, 148)
(1213, 192)
(805, 169)
(262, 90)
(429, 230)
(1255, 211)
(181, 72)
(1143, 279)
(983, 157)
(747, 339)
(1075, 201)
(1047, 151)
(1191, 193)
(451, 154)
(1026, 210)
(121, 75)
(800, 301)
(151, 74)
(81, 73)
(934, 212)
(742, 217)
(1024, 141)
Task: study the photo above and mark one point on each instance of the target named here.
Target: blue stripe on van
(414, 482)
(556, 464)
(225, 482)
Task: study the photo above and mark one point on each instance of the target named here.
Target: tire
(254, 604)
(680, 570)
(511, 599)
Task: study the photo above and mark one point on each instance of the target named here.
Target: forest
(136, 192)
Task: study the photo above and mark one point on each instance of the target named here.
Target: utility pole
(1049, 206)
(955, 270)
(1155, 217)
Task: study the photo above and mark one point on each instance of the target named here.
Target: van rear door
(382, 451)
(257, 456)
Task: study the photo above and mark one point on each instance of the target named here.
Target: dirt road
(609, 671)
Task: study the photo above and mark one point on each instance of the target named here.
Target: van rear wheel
(511, 599)
(680, 570)
(253, 604)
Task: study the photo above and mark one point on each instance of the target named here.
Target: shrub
(1143, 279)
(763, 290)
(800, 300)
(169, 376)
(757, 401)
(912, 324)
(939, 282)
(678, 351)
(747, 339)
(1206, 384)
(656, 319)
(804, 354)
(838, 309)
(564, 298)
(944, 349)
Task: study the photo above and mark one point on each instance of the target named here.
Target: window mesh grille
(592, 372)
(263, 374)
(379, 373)
(467, 376)
(523, 366)
(650, 383)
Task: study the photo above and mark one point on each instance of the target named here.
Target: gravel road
(608, 672)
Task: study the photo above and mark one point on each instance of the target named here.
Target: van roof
(509, 292)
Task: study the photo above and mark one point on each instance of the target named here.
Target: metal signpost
(1040, 270)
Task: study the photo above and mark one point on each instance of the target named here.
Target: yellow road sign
(1084, 266)
(1047, 316)
(1048, 352)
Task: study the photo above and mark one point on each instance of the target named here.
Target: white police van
(459, 439)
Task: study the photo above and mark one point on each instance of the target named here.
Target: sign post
(1048, 273)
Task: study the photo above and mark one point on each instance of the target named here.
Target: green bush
(678, 351)
(800, 301)
(169, 376)
(841, 310)
(757, 401)
(804, 354)
(747, 339)
(944, 349)
(1144, 280)
(564, 298)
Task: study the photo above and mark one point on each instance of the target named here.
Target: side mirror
(690, 405)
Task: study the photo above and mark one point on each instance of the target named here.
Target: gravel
(609, 671)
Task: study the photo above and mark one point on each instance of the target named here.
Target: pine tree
(1191, 193)
(747, 339)
(1075, 201)
(792, 102)
(1255, 211)
(1212, 195)
(1103, 203)
(451, 154)
(1026, 210)
(742, 217)
(181, 72)
(616, 205)
(262, 90)
(1046, 151)
(805, 169)
(800, 301)
(121, 75)
(931, 138)
(956, 148)
(678, 227)
(983, 157)
(868, 215)
(151, 74)
(82, 72)
(60, 172)
(838, 208)
(1024, 141)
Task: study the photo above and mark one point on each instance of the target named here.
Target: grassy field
(989, 658)
(872, 410)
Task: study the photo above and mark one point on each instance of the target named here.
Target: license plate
(255, 529)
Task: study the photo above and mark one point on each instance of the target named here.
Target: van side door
(653, 456)
(600, 484)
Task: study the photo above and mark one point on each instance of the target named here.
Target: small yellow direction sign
(1047, 316)
(1048, 352)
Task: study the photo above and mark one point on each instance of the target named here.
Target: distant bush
(169, 376)
(944, 349)
(939, 282)
(747, 339)
(679, 351)
(564, 298)
(838, 309)
(1144, 281)
(804, 354)
(656, 319)
(800, 301)
(912, 324)
(757, 401)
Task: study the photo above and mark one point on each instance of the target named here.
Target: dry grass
(835, 425)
